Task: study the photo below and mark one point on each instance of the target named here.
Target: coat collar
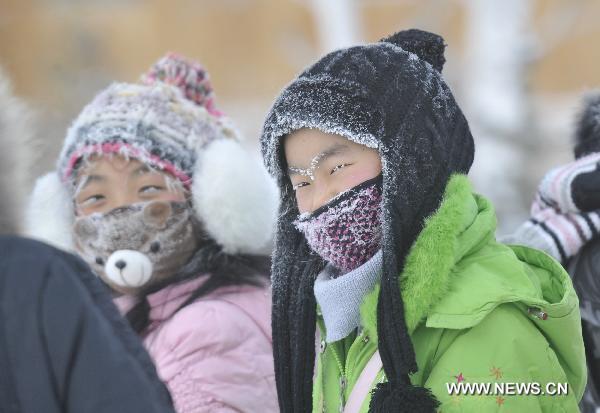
(166, 301)
(462, 223)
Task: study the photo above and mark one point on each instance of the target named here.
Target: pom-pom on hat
(429, 47)
(170, 123)
(188, 76)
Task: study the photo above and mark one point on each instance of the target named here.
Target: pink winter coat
(215, 355)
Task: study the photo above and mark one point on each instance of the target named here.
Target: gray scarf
(340, 297)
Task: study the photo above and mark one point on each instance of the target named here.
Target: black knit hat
(587, 135)
(391, 96)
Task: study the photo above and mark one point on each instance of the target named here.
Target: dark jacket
(63, 346)
(585, 272)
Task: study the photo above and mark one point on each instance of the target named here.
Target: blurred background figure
(17, 145)
(516, 66)
(564, 223)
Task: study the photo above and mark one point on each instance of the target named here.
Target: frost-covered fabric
(163, 122)
(171, 124)
(154, 124)
(346, 232)
(188, 76)
(391, 96)
(165, 234)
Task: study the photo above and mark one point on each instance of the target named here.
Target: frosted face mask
(346, 232)
(135, 246)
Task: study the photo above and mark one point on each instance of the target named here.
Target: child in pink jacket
(154, 191)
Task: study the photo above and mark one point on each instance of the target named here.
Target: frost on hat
(169, 122)
(187, 75)
(427, 46)
(163, 122)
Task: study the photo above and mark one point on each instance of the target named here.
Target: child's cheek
(173, 197)
(357, 177)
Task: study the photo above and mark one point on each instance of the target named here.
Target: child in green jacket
(382, 244)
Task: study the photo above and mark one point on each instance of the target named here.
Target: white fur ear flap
(235, 198)
(49, 213)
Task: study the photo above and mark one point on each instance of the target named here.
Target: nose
(120, 264)
(322, 194)
(121, 200)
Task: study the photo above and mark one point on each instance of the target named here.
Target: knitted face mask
(346, 232)
(138, 245)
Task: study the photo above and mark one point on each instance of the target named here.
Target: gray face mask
(134, 247)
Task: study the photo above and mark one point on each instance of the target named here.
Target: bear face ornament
(134, 247)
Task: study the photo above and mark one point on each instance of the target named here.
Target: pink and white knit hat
(165, 121)
(168, 121)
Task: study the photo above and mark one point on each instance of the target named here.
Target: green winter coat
(474, 309)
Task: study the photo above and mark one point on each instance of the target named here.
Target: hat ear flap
(49, 213)
(235, 198)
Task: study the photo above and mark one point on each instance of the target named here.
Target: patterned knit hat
(169, 122)
(389, 95)
(155, 122)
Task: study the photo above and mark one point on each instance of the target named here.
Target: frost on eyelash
(310, 171)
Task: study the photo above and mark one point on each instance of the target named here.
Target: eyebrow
(89, 179)
(141, 170)
(335, 149)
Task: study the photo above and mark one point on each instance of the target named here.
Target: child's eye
(337, 168)
(151, 188)
(90, 200)
(300, 185)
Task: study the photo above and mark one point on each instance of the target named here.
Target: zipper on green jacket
(333, 348)
(354, 348)
(336, 354)
(346, 365)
